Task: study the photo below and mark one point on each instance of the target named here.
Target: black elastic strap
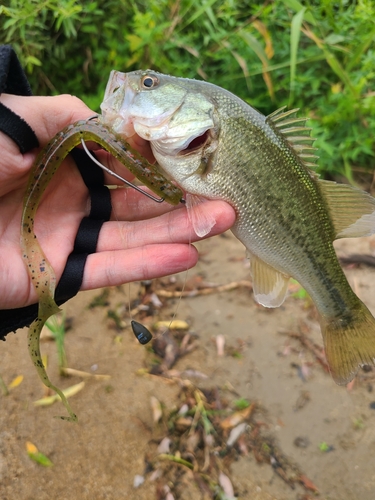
(12, 319)
(85, 244)
(89, 229)
(17, 129)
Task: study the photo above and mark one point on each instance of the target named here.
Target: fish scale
(216, 146)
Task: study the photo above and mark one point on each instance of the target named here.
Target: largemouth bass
(215, 146)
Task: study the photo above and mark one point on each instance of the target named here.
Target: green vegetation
(316, 55)
(56, 325)
(241, 404)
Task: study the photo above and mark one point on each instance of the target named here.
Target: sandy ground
(98, 457)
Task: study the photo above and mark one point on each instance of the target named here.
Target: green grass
(317, 55)
(56, 325)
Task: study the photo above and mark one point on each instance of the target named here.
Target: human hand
(143, 240)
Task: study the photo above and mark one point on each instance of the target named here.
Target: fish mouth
(125, 114)
(145, 148)
(196, 143)
(130, 115)
(115, 101)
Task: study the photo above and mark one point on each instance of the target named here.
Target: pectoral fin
(200, 218)
(352, 210)
(269, 285)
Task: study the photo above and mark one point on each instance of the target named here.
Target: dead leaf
(235, 433)
(16, 382)
(157, 411)
(220, 344)
(164, 445)
(308, 484)
(227, 486)
(70, 391)
(237, 417)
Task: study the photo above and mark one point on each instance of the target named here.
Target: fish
(216, 146)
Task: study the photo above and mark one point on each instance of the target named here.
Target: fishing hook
(128, 183)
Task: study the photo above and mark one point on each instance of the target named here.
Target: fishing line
(182, 289)
(140, 331)
(181, 292)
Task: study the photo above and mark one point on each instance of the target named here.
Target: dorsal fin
(296, 133)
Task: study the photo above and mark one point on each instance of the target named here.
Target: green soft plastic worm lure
(45, 166)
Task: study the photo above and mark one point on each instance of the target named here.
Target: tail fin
(349, 343)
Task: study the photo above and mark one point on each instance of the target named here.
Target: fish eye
(148, 82)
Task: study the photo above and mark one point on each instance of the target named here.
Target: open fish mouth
(164, 124)
(196, 143)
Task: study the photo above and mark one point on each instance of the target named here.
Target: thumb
(47, 115)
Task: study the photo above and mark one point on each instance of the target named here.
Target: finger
(130, 205)
(172, 227)
(114, 268)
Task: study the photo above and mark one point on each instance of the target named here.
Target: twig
(177, 460)
(310, 346)
(80, 373)
(205, 291)
(3, 386)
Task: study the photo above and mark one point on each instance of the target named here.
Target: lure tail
(349, 343)
(34, 349)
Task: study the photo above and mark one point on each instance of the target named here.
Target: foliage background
(316, 55)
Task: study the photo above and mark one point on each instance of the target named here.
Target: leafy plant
(241, 403)
(315, 55)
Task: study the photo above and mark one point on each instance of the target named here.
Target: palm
(143, 240)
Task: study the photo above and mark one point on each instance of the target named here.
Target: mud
(328, 431)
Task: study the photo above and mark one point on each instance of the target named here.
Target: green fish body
(216, 146)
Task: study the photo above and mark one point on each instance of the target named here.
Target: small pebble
(138, 481)
(301, 442)
(372, 405)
